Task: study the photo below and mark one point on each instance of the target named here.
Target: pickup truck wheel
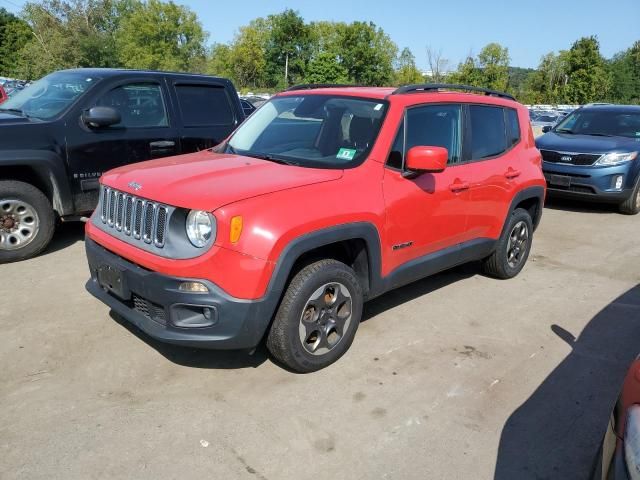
(513, 247)
(27, 221)
(318, 317)
(631, 206)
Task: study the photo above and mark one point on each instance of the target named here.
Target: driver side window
(140, 105)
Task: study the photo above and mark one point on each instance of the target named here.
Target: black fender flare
(365, 231)
(50, 169)
(527, 193)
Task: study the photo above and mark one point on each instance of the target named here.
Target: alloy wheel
(517, 245)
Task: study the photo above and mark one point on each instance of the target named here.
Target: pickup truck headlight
(632, 442)
(616, 158)
(201, 228)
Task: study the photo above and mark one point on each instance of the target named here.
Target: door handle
(459, 187)
(511, 173)
(163, 144)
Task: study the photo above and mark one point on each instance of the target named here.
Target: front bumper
(154, 304)
(589, 182)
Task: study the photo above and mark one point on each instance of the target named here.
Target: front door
(427, 213)
(145, 132)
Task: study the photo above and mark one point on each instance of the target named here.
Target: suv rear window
(513, 126)
(488, 130)
(204, 105)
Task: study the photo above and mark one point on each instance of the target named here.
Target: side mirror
(546, 128)
(99, 117)
(426, 160)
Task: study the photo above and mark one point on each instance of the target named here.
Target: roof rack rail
(313, 86)
(434, 87)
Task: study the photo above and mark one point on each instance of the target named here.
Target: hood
(208, 181)
(563, 142)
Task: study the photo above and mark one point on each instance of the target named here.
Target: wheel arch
(44, 170)
(530, 199)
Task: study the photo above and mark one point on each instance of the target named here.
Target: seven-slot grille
(571, 158)
(136, 217)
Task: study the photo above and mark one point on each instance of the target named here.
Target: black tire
(42, 226)
(285, 340)
(631, 206)
(500, 264)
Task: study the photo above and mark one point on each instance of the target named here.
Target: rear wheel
(512, 250)
(631, 206)
(318, 317)
(27, 221)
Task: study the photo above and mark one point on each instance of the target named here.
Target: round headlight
(201, 228)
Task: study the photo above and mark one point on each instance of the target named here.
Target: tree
(247, 54)
(367, 53)
(326, 68)
(624, 68)
(437, 64)
(288, 46)
(161, 36)
(406, 71)
(14, 35)
(493, 61)
(468, 73)
(588, 79)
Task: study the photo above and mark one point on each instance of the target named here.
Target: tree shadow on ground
(556, 432)
(569, 205)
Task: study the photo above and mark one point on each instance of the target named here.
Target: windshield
(324, 131)
(50, 95)
(602, 122)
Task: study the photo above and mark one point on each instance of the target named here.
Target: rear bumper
(154, 304)
(595, 183)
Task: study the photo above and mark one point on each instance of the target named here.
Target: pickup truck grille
(141, 219)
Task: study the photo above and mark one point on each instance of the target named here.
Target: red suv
(326, 197)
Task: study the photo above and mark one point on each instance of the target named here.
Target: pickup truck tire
(318, 317)
(631, 206)
(513, 247)
(27, 221)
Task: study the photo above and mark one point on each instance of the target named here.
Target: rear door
(429, 212)
(208, 112)
(146, 131)
(493, 132)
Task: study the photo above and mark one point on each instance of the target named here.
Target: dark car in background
(593, 154)
(58, 136)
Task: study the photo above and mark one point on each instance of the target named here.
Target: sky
(529, 28)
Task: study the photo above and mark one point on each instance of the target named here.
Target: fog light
(193, 287)
(208, 314)
(618, 182)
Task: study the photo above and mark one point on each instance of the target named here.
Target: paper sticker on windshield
(378, 107)
(346, 154)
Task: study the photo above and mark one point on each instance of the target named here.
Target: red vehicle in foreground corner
(323, 199)
(3, 95)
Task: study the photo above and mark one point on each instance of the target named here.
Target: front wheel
(631, 206)
(513, 247)
(27, 221)
(317, 318)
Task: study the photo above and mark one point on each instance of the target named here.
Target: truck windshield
(49, 96)
(322, 131)
(608, 123)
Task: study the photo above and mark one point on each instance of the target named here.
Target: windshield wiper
(270, 158)
(565, 130)
(599, 134)
(15, 110)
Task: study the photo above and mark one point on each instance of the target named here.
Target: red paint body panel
(280, 203)
(3, 95)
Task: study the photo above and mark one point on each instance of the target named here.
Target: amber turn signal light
(236, 229)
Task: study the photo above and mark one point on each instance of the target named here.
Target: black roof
(613, 108)
(112, 72)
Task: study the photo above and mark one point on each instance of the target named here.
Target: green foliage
(588, 78)
(287, 48)
(14, 35)
(493, 61)
(161, 36)
(625, 74)
(326, 68)
(406, 71)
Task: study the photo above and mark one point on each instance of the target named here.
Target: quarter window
(513, 126)
(204, 105)
(140, 105)
(488, 131)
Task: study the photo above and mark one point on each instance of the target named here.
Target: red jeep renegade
(326, 197)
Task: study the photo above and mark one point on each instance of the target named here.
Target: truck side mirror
(100, 117)
(546, 128)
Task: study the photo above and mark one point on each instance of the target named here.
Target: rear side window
(204, 105)
(488, 131)
(513, 127)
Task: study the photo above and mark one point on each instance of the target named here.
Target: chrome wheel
(325, 318)
(19, 224)
(517, 245)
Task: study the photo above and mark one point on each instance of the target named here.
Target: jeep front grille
(136, 217)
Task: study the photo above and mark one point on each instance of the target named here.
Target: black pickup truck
(61, 133)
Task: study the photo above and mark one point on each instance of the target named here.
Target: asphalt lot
(457, 376)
